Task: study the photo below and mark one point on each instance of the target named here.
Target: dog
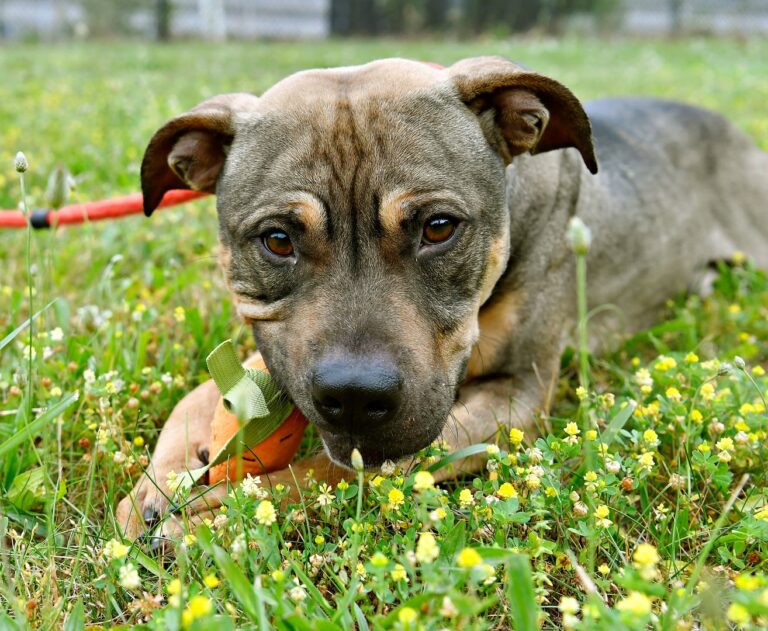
(395, 235)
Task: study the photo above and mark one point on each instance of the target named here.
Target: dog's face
(363, 222)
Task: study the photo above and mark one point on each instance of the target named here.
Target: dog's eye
(438, 229)
(277, 242)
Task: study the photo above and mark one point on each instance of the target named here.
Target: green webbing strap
(239, 387)
(252, 396)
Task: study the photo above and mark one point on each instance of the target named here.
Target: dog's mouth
(375, 451)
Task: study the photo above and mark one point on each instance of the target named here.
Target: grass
(663, 530)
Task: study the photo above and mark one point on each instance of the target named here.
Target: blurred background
(218, 20)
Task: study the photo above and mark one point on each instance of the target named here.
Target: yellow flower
(115, 549)
(398, 573)
(396, 498)
(646, 460)
(138, 442)
(211, 581)
(199, 606)
(427, 549)
(664, 363)
(762, 514)
(707, 391)
(174, 587)
(343, 485)
(516, 436)
(591, 434)
(423, 480)
(581, 393)
(550, 491)
(407, 615)
(725, 444)
(438, 514)
(758, 371)
(635, 603)
(649, 436)
(738, 613)
(379, 560)
(572, 429)
(376, 482)
(734, 309)
(696, 416)
(189, 540)
(602, 511)
(532, 481)
(746, 408)
(590, 476)
(747, 582)
(468, 557)
(265, 513)
(604, 569)
(506, 491)
(673, 394)
(646, 554)
(704, 448)
(691, 358)
(465, 498)
(179, 314)
(568, 604)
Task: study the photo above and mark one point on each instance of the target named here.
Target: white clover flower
(56, 335)
(298, 593)
(251, 487)
(129, 577)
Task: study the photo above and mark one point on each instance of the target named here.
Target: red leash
(92, 211)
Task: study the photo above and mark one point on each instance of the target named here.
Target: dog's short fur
(351, 162)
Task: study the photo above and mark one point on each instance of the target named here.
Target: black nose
(357, 393)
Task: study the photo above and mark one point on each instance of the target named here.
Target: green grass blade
(458, 455)
(27, 432)
(523, 608)
(13, 334)
(76, 619)
(236, 580)
(617, 422)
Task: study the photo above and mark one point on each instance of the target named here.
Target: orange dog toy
(255, 428)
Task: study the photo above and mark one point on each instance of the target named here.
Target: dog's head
(363, 222)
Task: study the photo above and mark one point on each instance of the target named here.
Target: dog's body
(370, 328)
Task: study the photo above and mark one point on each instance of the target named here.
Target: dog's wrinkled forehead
(384, 78)
(352, 137)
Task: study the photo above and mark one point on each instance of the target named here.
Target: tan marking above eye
(309, 211)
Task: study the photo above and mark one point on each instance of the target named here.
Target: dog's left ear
(189, 151)
(522, 111)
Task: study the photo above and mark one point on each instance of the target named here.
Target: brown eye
(438, 229)
(278, 243)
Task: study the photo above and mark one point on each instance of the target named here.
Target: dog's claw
(151, 516)
(156, 544)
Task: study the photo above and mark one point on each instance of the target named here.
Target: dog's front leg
(489, 406)
(182, 445)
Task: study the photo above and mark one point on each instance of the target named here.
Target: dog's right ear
(189, 151)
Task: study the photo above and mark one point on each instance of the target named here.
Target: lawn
(646, 520)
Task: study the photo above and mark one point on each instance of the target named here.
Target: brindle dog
(395, 234)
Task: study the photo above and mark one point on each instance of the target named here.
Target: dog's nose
(357, 393)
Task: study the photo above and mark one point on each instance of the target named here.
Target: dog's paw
(151, 498)
(200, 508)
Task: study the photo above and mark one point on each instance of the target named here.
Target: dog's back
(679, 187)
